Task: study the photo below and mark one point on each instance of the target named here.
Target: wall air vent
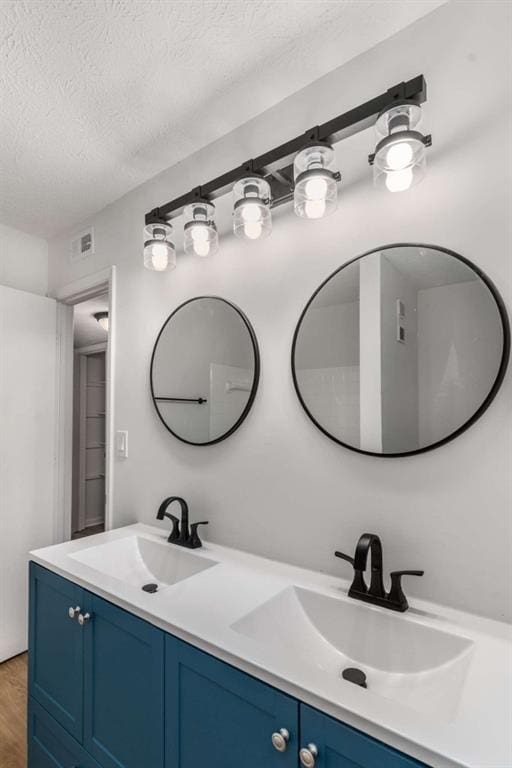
(82, 245)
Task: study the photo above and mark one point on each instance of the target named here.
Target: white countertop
(476, 732)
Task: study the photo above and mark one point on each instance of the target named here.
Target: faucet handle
(344, 557)
(396, 594)
(194, 541)
(175, 533)
(358, 583)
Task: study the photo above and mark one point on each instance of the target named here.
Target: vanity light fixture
(159, 251)
(200, 233)
(399, 160)
(316, 182)
(302, 169)
(102, 319)
(252, 218)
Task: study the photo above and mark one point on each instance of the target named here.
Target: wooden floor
(13, 712)
(87, 532)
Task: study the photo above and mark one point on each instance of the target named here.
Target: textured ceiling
(97, 96)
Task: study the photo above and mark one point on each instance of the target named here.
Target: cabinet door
(56, 648)
(50, 746)
(124, 685)
(219, 717)
(340, 746)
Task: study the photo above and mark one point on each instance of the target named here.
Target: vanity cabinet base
(113, 691)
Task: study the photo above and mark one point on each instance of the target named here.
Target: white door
(27, 450)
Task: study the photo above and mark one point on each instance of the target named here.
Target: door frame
(67, 296)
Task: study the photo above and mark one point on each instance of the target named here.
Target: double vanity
(229, 660)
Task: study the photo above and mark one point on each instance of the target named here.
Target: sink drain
(354, 675)
(151, 588)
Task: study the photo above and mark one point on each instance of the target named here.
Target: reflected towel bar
(199, 400)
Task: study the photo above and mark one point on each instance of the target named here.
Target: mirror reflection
(204, 371)
(399, 350)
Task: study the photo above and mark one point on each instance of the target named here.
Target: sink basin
(421, 666)
(139, 561)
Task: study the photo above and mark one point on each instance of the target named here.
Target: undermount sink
(138, 561)
(421, 666)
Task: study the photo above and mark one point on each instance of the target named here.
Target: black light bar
(276, 165)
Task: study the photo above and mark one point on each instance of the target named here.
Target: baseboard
(94, 521)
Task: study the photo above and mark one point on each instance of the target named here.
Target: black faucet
(182, 536)
(395, 599)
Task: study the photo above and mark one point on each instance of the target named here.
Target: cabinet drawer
(49, 745)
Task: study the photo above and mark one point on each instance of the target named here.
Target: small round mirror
(204, 370)
(400, 350)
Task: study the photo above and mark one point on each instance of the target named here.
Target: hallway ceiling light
(252, 218)
(200, 232)
(159, 251)
(316, 182)
(399, 160)
(102, 319)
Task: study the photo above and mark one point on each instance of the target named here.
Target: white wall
(370, 352)
(327, 367)
(455, 373)
(278, 486)
(399, 361)
(23, 261)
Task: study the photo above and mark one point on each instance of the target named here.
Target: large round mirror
(400, 350)
(204, 370)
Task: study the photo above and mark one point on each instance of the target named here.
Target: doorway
(85, 406)
(90, 338)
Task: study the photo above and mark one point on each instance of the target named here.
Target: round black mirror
(204, 370)
(400, 350)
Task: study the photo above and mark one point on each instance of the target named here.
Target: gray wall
(23, 261)
(448, 511)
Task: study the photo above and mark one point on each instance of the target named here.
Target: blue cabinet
(50, 746)
(339, 746)
(102, 680)
(123, 688)
(116, 692)
(217, 716)
(56, 648)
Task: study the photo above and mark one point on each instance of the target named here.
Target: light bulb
(314, 209)
(399, 181)
(202, 247)
(199, 233)
(252, 219)
(201, 243)
(159, 256)
(159, 251)
(316, 189)
(253, 229)
(251, 212)
(399, 156)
